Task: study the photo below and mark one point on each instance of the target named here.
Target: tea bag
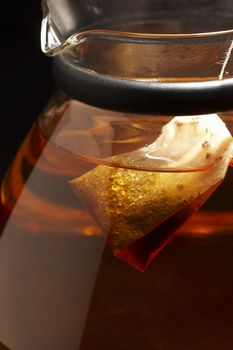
(138, 210)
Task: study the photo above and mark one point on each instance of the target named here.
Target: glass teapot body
(88, 202)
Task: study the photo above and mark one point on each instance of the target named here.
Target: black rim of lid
(142, 97)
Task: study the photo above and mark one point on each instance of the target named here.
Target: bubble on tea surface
(139, 211)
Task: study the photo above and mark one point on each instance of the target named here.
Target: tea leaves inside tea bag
(138, 210)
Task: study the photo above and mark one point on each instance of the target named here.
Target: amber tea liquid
(61, 287)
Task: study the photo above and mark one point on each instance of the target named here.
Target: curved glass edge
(63, 20)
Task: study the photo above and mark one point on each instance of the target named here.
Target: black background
(26, 76)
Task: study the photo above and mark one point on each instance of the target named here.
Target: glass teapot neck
(142, 97)
(143, 56)
(64, 19)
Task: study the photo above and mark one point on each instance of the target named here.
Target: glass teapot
(117, 164)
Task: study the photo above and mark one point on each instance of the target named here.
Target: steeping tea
(62, 286)
(139, 211)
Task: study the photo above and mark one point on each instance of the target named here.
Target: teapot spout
(50, 38)
(57, 27)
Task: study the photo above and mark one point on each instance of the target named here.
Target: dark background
(26, 74)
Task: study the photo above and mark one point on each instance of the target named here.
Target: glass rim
(152, 36)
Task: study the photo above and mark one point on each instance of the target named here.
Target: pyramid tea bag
(140, 210)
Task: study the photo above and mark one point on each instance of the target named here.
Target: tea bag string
(226, 60)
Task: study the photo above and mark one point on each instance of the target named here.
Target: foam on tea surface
(140, 210)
